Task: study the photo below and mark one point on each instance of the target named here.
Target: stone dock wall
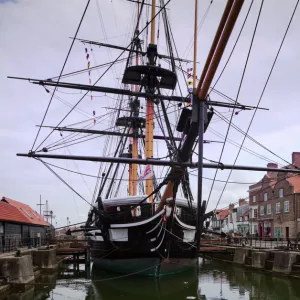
(21, 270)
(273, 261)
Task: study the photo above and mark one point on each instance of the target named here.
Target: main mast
(150, 113)
(133, 168)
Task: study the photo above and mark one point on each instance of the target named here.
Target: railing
(13, 243)
(260, 243)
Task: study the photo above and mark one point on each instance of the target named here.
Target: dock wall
(273, 261)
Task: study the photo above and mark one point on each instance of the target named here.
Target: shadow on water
(212, 281)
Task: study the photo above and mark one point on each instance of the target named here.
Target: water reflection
(212, 281)
(135, 287)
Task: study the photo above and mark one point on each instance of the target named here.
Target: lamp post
(67, 221)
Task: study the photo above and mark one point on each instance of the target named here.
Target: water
(212, 281)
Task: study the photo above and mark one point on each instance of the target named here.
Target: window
(1, 228)
(286, 206)
(280, 193)
(262, 210)
(265, 196)
(255, 213)
(241, 219)
(254, 198)
(255, 227)
(269, 208)
(277, 207)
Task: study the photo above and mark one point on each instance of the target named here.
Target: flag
(89, 73)
(88, 64)
(190, 90)
(94, 121)
(190, 82)
(90, 81)
(189, 70)
(94, 112)
(91, 97)
(86, 50)
(148, 173)
(87, 56)
(189, 75)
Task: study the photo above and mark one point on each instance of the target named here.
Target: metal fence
(15, 242)
(262, 243)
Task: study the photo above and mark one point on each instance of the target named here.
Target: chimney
(296, 158)
(242, 202)
(274, 166)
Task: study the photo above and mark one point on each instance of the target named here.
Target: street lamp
(67, 221)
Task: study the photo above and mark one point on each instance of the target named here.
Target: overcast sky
(35, 38)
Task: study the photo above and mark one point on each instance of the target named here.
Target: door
(260, 230)
(287, 232)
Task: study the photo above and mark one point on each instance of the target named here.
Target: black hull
(154, 246)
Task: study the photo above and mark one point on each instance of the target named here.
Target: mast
(134, 174)
(200, 95)
(150, 113)
(195, 45)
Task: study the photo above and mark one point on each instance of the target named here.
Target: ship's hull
(146, 266)
(155, 245)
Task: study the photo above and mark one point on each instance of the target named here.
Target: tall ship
(144, 217)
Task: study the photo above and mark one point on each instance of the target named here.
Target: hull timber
(150, 245)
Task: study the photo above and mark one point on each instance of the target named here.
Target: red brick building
(275, 203)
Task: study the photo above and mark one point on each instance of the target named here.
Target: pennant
(189, 75)
(88, 64)
(91, 97)
(89, 73)
(148, 173)
(90, 80)
(190, 82)
(94, 121)
(190, 90)
(86, 50)
(87, 56)
(94, 112)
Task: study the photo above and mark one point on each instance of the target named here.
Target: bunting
(89, 72)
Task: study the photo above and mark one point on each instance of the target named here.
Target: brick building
(275, 203)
